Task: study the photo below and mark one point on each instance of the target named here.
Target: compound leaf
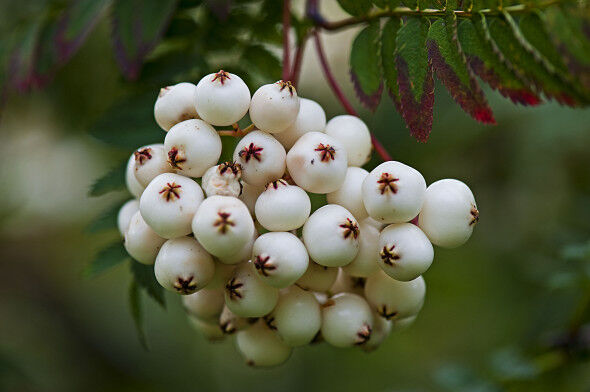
(388, 46)
(113, 180)
(365, 66)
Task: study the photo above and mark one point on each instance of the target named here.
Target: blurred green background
(496, 309)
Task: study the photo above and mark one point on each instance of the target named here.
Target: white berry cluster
(239, 240)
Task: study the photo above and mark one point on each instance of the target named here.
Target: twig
(286, 46)
(296, 71)
(237, 131)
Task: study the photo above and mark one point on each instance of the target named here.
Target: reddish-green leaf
(414, 70)
(365, 66)
(137, 28)
(451, 69)
(489, 65)
(388, 42)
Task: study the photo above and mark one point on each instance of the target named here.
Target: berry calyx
(175, 158)
(171, 191)
(387, 183)
(251, 151)
(287, 85)
(222, 76)
(327, 152)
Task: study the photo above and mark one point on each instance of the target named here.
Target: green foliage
(365, 66)
(388, 47)
(355, 7)
(136, 308)
(107, 258)
(107, 220)
(144, 276)
(113, 180)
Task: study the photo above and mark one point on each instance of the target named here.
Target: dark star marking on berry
(222, 76)
(351, 229)
(223, 222)
(143, 155)
(388, 255)
(171, 191)
(234, 167)
(363, 335)
(327, 152)
(252, 151)
(286, 85)
(275, 184)
(263, 264)
(474, 215)
(387, 183)
(270, 322)
(175, 159)
(385, 313)
(232, 288)
(185, 286)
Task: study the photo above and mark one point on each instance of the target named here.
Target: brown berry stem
(237, 131)
(286, 44)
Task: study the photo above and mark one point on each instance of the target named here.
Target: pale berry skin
(250, 195)
(133, 186)
(223, 180)
(403, 324)
(404, 251)
(449, 213)
(262, 158)
(244, 254)
(347, 284)
(209, 329)
(376, 224)
(205, 304)
(366, 262)
(125, 214)
(183, 266)
(317, 163)
(221, 275)
(279, 258)
(310, 118)
(262, 347)
(222, 98)
(317, 278)
(175, 104)
(150, 162)
(223, 225)
(381, 330)
(393, 299)
(331, 236)
(141, 242)
(247, 295)
(193, 146)
(229, 322)
(353, 133)
(347, 320)
(297, 318)
(350, 193)
(274, 107)
(393, 192)
(282, 207)
(169, 203)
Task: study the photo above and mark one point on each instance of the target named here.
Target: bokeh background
(498, 312)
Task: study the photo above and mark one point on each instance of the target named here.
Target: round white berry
(393, 192)
(392, 298)
(193, 146)
(297, 317)
(350, 193)
(222, 98)
(404, 251)
(282, 207)
(260, 346)
(175, 104)
(223, 180)
(133, 186)
(274, 107)
(230, 322)
(223, 225)
(347, 320)
(311, 118)
(331, 236)
(125, 214)
(317, 163)
(279, 258)
(221, 275)
(209, 329)
(317, 278)
(376, 224)
(352, 132)
(205, 304)
(183, 266)
(449, 213)
(402, 324)
(381, 330)
(150, 162)
(141, 242)
(250, 194)
(347, 284)
(367, 260)
(247, 295)
(242, 255)
(262, 158)
(169, 203)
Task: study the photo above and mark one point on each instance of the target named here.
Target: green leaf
(533, 29)
(259, 60)
(451, 69)
(107, 220)
(107, 258)
(144, 276)
(365, 66)
(416, 84)
(355, 7)
(136, 309)
(21, 66)
(388, 46)
(113, 180)
(137, 27)
(389, 4)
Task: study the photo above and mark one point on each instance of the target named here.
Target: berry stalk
(286, 46)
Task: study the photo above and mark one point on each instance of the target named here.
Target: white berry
(367, 260)
(250, 195)
(317, 163)
(282, 207)
(223, 180)
(221, 275)
(317, 278)
(347, 320)
(381, 330)
(247, 295)
(141, 242)
(331, 236)
(205, 304)
(133, 186)
(402, 324)
(350, 193)
(125, 214)
(449, 213)
(348, 284)
(274, 107)
(262, 158)
(175, 104)
(169, 203)
(150, 162)
(193, 146)
(394, 299)
(244, 254)
(260, 346)
(222, 98)
(393, 192)
(209, 329)
(229, 322)
(353, 133)
(311, 118)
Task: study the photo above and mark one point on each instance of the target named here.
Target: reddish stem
(379, 148)
(296, 71)
(286, 49)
